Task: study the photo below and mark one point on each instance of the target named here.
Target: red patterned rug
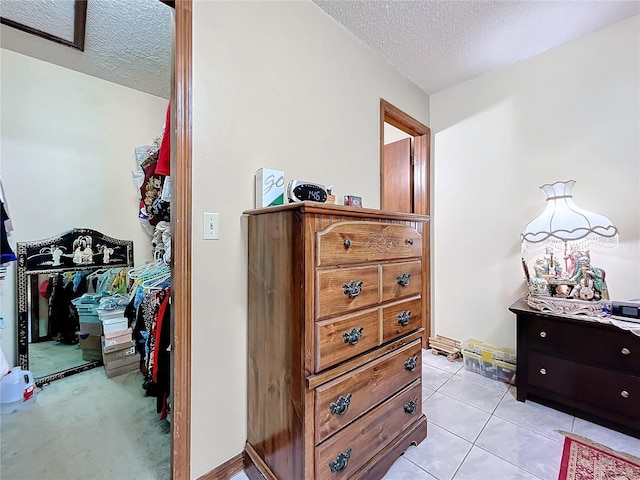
(586, 460)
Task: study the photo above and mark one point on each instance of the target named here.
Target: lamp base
(566, 306)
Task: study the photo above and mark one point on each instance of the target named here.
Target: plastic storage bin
(489, 351)
(488, 360)
(17, 390)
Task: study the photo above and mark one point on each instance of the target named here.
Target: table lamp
(566, 227)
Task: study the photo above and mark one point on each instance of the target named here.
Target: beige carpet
(86, 426)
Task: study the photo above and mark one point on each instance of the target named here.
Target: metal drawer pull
(543, 371)
(411, 406)
(410, 365)
(353, 336)
(341, 462)
(346, 243)
(624, 394)
(403, 279)
(543, 334)
(404, 317)
(410, 241)
(625, 351)
(353, 288)
(341, 405)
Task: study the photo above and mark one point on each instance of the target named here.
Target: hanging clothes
(151, 190)
(164, 156)
(6, 253)
(64, 320)
(154, 334)
(162, 366)
(143, 332)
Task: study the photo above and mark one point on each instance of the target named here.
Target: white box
(114, 325)
(107, 314)
(116, 340)
(269, 187)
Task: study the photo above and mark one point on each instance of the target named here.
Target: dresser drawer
(364, 242)
(341, 338)
(401, 318)
(587, 342)
(604, 388)
(345, 289)
(401, 280)
(353, 446)
(346, 398)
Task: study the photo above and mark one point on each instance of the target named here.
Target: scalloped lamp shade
(563, 224)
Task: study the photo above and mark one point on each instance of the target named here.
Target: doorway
(182, 378)
(405, 180)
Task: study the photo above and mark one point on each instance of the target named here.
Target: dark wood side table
(583, 367)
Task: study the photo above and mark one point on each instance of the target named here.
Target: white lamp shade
(563, 223)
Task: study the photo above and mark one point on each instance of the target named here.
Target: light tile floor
(477, 430)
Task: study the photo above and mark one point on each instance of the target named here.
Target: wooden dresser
(335, 329)
(584, 367)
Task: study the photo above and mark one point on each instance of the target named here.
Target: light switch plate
(211, 226)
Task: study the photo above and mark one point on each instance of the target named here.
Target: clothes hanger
(137, 272)
(151, 276)
(156, 283)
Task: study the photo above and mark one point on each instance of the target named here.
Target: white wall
(393, 134)
(279, 85)
(67, 153)
(569, 113)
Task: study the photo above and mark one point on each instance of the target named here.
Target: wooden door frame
(421, 186)
(181, 231)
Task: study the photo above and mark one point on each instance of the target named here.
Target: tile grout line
(460, 369)
(462, 462)
(505, 460)
(473, 443)
(491, 413)
(467, 403)
(462, 401)
(527, 428)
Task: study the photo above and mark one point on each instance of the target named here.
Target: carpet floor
(46, 358)
(87, 426)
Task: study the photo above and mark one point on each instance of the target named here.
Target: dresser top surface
(329, 209)
(520, 306)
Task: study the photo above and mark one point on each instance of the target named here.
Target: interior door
(397, 174)
(404, 185)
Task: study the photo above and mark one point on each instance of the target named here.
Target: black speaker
(626, 309)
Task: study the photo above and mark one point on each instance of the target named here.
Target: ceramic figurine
(590, 280)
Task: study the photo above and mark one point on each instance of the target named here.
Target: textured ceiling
(436, 44)
(127, 41)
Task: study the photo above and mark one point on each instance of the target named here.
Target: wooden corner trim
(227, 470)
(181, 238)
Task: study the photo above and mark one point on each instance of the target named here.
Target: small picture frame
(353, 200)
